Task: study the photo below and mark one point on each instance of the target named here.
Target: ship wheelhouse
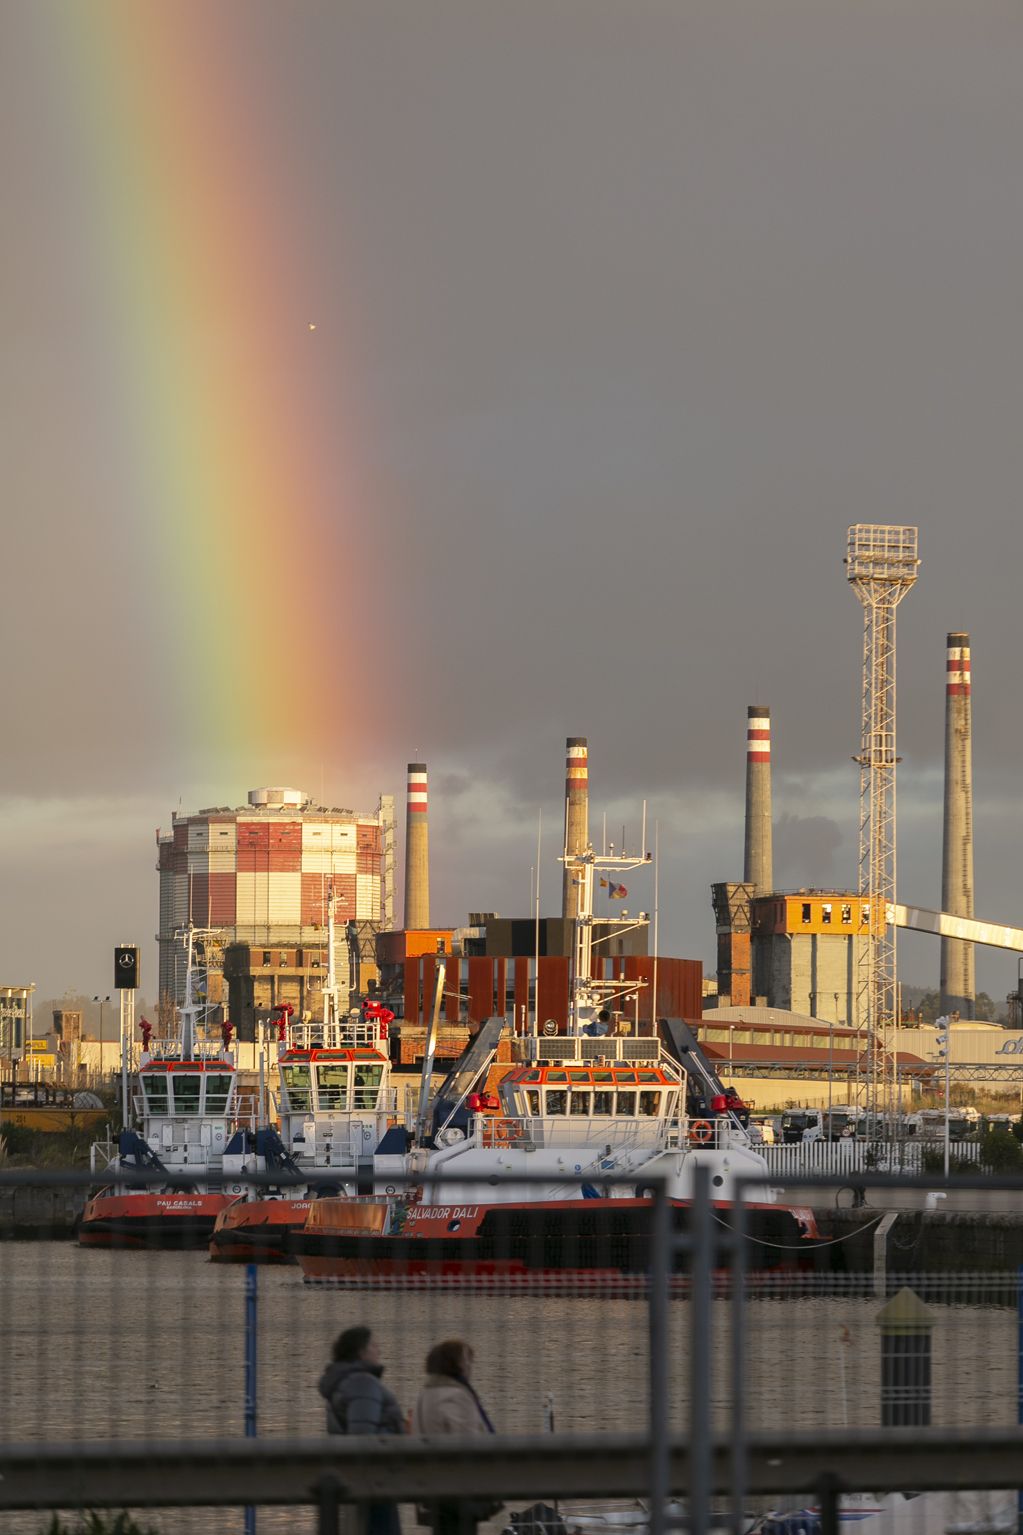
(591, 1092)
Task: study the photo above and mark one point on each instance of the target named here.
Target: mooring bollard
(906, 1326)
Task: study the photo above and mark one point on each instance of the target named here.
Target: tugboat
(523, 1196)
(185, 1101)
(336, 1108)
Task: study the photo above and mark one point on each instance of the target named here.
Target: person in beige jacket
(448, 1404)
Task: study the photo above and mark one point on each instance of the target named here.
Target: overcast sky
(624, 312)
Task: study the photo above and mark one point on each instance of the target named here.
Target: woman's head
(356, 1343)
(453, 1357)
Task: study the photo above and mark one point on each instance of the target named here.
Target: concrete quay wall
(40, 1214)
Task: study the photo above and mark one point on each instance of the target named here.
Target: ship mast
(588, 995)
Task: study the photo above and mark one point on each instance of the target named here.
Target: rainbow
(217, 338)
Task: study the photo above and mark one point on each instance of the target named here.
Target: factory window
(186, 1093)
(155, 1089)
(865, 915)
(846, 913)
(266, 956)
(218, 1090)
(626, 1103)
(826, 912)
(806, 911)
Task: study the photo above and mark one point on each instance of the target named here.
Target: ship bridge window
(186, 1093)
(531, 1076)
(626, 1103)
(332, 1085)
(649, 1103)
(579, 1076)
(603, 1076)
(603, 1103)
(579, 1103)
(557, 1076)
(649, 1076)
(367, 1086)
(218, 1090)
(556, 1102)
(297, 1085)
(533, 1100)
(155, 1089)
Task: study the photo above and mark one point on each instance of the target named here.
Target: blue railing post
(251, 1319)
(1019, 1382)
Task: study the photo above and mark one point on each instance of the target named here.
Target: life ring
(701, 1131)
(504, 1131)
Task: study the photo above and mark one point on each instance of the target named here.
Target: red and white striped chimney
(958, 978)
(417, 849)
(757, 869)
(577, 816)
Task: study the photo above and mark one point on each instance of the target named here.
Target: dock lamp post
(943, 1041)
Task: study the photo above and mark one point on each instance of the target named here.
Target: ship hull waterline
(534, 1240)
(257, 1230)
(151, 1220)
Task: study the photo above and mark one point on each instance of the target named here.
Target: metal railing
(716, 1359)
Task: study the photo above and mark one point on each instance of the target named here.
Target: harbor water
(105, 1345)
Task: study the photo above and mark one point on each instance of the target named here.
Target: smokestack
(417, 850)
(577, 815)
(958, 981)
(757, 869)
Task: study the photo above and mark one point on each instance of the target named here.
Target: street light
(102, 1004)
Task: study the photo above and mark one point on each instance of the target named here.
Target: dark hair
(350, 1344)
(449, 1358)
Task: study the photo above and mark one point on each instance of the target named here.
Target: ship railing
(721, 1132)
(343, 1034)
(613, 1132)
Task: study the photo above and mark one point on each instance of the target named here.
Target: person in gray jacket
(358, 1402)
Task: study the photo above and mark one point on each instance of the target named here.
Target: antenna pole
(657, 876)
(536, 929)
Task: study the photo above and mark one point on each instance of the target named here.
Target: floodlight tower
(881, 566)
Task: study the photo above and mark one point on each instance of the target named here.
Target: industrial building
(259, 874)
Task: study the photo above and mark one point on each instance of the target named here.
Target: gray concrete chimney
(577, 816)
(757, 870)
(417, 850)
(958, 979)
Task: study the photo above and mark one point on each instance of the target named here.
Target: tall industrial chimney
(577, 816)
(757, 869)
(417, 850)
(958, 981)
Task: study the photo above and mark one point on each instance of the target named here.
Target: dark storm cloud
(644, 306)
